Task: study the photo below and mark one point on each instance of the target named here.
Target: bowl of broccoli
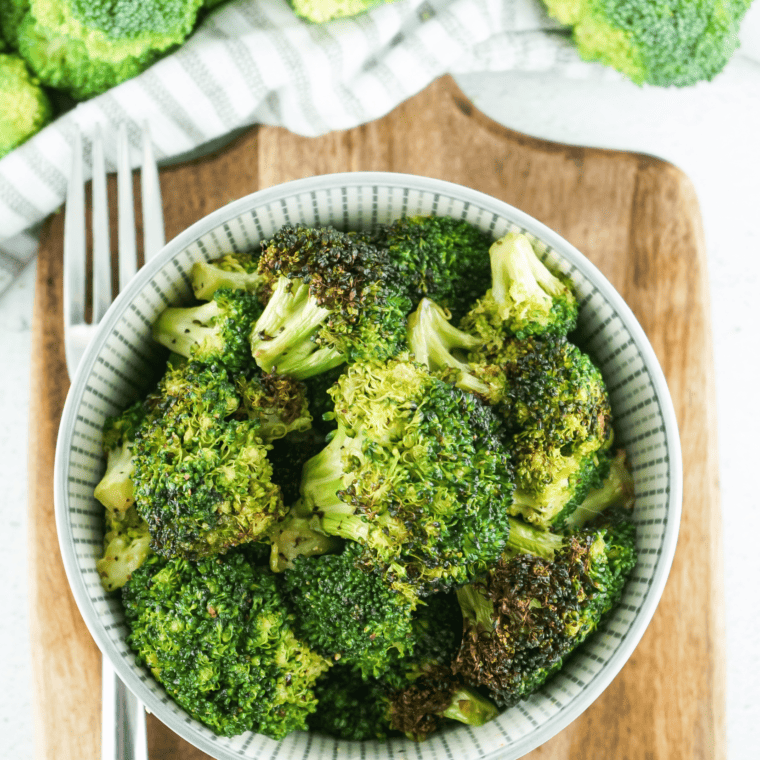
(365, 464)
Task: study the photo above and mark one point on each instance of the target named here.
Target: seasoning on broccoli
(217, 635)
(659, 42)
(416, 473)
(530, 611)
(331, 297)
(24, 107)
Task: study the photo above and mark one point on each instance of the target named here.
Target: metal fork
(123, 716)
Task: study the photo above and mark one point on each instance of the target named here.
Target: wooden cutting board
(636, 218)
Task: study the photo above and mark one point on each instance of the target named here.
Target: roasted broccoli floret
(217, 331)
(529, 612)
(658, 42)
(416, 472)
(347, 614)
(217, 635)
(295, 537)
(84, 47)
(202, 480)
(551, 397)
(441, 258)
(233, 271)
(126, 545)
(24, 107)
(332, 297)
(525, 297)
(115, 490)
(414, 696)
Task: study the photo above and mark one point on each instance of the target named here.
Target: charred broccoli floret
(530, 612)
(525, 297)
(218, 637)
(217, 331)
(332, 297)
(416, 473)
(441, 258)
(202, 480)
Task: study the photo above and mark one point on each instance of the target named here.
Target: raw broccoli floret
(219, 638)
(24, 106)
(235, 271)
(216, 331)
(84, 47)
(319, 11)
(658, 42)
(202, 480)
(525, 297)
(441, 258)
(416, 472)
(533, 609)
(126, 545)
(332, 297)
(347, 614)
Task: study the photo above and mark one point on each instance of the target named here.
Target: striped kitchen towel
(254, 61)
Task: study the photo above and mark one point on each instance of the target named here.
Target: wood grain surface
(636, 218)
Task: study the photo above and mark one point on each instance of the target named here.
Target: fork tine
(127, 240)
(101, 242)
(74, 244)
(152, 208)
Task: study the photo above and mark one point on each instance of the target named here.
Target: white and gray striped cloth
(254, 61)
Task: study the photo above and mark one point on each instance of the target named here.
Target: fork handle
(123, 733)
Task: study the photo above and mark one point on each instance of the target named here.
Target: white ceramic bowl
(117, 364)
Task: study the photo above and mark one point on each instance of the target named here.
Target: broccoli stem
(432, 339)
(467, 706)
(478, 612)
(206, 278)
(525, 539)
(282, 337)
(616, 490)
(294, 537)
(182, 328)
(115, 491)
(323, 475)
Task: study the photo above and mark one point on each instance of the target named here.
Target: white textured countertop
(711, 132)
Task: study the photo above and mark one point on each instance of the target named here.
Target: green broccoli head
(217, 635)
(24, 107)
(126, 545)
(332, 297)
(234, 271)
(347, 614)
(217, 331)
(84, 47)
(664, 43)
(416, 473)
(202, 480)
(531, 611)
(440, 258)
(525, 297)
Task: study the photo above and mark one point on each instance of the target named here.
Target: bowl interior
(123, 358)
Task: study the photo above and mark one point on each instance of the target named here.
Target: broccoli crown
(530, 612)
(440, 258)
(84, 48)
(416, 473)
(126, 545)
(347, 614)
(202, 480)
(525, 298)
(319, 11)
(332, 297)
(217, 331)
(665, 43)
(217, 636)
(236, 271)
(24, 106)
